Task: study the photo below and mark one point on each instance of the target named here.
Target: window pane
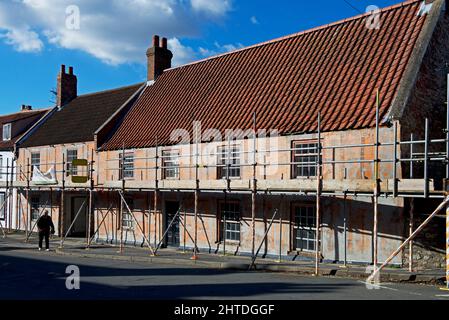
(71, 155)
(35, 160)
(305, 228)
(171, 164)
(231, 213)
(35, 208)
(126, 164)
(305, 158)
(229, 162)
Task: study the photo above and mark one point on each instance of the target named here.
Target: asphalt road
(34, 275)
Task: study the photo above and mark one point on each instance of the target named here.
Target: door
(171, 208)
(79, 227)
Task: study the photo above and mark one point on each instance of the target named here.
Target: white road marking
(377, 286)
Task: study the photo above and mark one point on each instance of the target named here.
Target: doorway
(171, 209)
(79, 204)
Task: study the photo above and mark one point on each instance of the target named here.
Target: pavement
(76, 248)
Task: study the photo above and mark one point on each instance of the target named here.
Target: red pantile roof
(21, 122)
(335, 69)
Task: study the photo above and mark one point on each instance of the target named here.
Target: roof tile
(335, 70)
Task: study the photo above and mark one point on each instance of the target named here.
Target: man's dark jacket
(45, 224)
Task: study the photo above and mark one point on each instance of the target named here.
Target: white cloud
(182, 54)
(219, 49)
(23, 40)
(215, 7)
(254, 20)
(114, 31)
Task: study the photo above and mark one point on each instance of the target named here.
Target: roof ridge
(297, 34)
(110, 90)
(25, 112)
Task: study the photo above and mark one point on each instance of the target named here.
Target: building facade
(330, 144)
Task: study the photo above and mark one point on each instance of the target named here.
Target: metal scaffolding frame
(256, 187)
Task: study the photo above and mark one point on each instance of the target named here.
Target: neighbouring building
(13, 126)
(179, 166)
(46, 155)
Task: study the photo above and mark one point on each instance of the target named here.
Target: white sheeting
(44, 178)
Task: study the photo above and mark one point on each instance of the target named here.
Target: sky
(106, 40)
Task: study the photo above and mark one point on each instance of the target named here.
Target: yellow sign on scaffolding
(80, 163)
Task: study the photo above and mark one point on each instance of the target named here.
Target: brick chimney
(159, 58)
(26, 108)
(67, 86)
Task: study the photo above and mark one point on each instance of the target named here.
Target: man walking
(45, 226)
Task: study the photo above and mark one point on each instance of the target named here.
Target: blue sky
(108, 48)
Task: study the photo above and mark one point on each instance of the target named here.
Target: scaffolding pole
(411, 226)
(426, 159)
(197, 188)
(447, 130)
(61, 245)
(27, 191)
(6, 206)
(91, 204)
(156, 192)
(345, 230)
(176, 216)
(61, 208)
(447, 177)
(447, 248)
(254, 189)
(376, 188)
(153, 253)
(37, 220)
(318, 201)
(254, 258)
(442, 206)
(280, 229)
(1, 224)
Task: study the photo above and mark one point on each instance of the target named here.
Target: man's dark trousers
(46, 235)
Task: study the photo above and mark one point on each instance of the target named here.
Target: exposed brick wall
(428, 100)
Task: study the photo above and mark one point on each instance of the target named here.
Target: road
(35, 275)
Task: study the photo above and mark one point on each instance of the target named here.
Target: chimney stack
(67, 87)
(26, 108)
(159, 58)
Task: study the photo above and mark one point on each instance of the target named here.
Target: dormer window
(7, 132)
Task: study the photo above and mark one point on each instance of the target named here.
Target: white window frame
(229, 155)
(305, 155)
(304, 227)
(128, 166)
(7, 132)
(170, 164)
(231, 231)
(127, 218)
(35, 207)
(70, 169)
(32, 161)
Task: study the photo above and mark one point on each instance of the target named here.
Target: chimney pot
(155, 41)
(71, 70)
(63, 69)
(164, 43)
(26, 108)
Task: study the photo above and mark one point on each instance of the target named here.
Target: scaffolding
(417, 155)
